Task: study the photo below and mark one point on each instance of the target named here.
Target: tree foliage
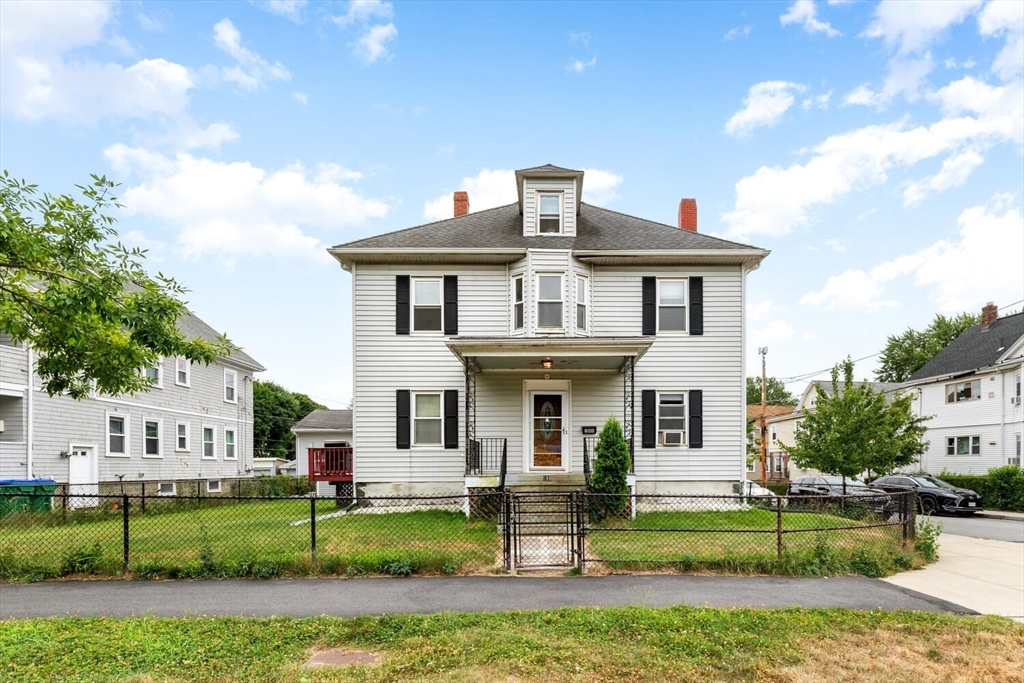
(776, 392)
(610, 471)
(275, 412)
(80, 300)
(854, 430)
(907, 353)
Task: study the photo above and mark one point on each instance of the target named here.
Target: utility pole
(763, 350)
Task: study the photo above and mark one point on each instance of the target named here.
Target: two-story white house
(972, 390)
(194, 424)
(499, 342)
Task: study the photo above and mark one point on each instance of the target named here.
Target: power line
(808, 375)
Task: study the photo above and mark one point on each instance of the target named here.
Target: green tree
(610, 471)
(275, 412)
(854, 429)
(907, 353)
(776, 392)
(80, 300)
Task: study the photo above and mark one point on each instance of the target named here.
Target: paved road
(422, 595)
(978, 527)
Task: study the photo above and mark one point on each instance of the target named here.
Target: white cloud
(251, 71)
(774, 331)
(289, 9)
(905, 77)
(998, 18)
(913, 25)
(805, 13)
(491, 188)
(763, 309)
(237, 210)
(300, 97)
(372, 45)
(738, 32)
(835, 245)
(818, 101)
(580, 37)
(764, 105)
(154, 21)
(578, 66)
(362, 11)
(774, 200)
(990, 241)
(954, 173)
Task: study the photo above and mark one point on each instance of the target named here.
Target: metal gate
(543, 530)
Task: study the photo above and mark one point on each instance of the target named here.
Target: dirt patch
(885, 656)
(342, 658)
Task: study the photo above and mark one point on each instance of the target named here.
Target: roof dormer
(549, 199)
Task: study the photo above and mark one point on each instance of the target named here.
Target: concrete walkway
(983, 575)
(423, 595)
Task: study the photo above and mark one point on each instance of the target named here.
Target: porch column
(470, 404)
(627, 404)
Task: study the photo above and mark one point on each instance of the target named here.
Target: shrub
(610, 471)
(1001, 489)
(83, 560)
(926, 540)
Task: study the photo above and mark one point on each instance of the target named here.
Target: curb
(985, 514)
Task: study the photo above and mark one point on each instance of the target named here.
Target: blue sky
(876, 149)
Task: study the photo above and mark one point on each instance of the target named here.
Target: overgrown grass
(258, 539)
(611, 644)
(746, 541)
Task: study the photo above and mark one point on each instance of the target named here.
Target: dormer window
(549, 213)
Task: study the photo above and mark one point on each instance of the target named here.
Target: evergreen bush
(610, 471)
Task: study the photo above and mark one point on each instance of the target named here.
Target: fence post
(64, 504)
(124, 516)
(778, 527)
(312, 526)
(143, 497)
(506, 505)
(581, 538)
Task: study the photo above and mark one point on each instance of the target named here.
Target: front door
(82, 476)
(548, 430)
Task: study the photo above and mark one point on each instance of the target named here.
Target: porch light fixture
(546, 363)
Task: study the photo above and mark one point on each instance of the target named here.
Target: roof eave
(348, 257)
(623, 256)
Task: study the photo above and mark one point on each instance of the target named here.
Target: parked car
(759, 495)
(832, 486)
(933, 495)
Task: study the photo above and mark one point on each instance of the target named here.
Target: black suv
(824, 485)
(933, 495)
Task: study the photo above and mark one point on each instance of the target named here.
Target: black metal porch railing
(487, 457)
(590, 456)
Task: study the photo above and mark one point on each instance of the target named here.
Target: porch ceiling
(565, 353)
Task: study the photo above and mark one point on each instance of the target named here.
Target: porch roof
(565, 353)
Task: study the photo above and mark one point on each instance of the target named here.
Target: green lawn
(746, 540)
(611, 644)
(255, 538)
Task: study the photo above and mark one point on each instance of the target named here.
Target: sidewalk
(424, 595)
(986, 576)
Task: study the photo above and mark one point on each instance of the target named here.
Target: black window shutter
(696, 305)
(451, 306)
(696, 418)
(451, 418)
(650, 307)
(403, 405)
(649, 419)
(402, 305)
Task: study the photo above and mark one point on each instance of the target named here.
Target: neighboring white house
(325, 434)
(510, 335)
(972, 390)
(195, 423)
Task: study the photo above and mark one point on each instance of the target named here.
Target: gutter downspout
(31, 418)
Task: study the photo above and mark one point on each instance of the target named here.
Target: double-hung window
(230, 386)
(426, 304)
(963, 391)
(181, 436)
(549, 213)
(182, 371)
(582, 301)
(426, 419)
(549, 301)
(117, 435)
(963, 445)
(671, 305)
(518, 297)
(672, 419)
(209, 446)
(151, 439)
(229, 444)
(154, 373)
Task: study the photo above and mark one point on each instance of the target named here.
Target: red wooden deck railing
(330, 464)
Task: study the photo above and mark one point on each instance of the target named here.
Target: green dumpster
(26, 495)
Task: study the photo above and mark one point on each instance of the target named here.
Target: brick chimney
(461, 203)
(688, 214)
(989, 313)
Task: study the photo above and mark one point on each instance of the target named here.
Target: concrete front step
(571, 481)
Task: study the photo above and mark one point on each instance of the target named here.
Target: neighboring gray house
(325, 434)
(195, 423)
(503, 340)
(972, 390)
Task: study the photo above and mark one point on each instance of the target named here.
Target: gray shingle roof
(326, 419)
(976, 348)
(192, 327)
(502, 228)
(547, 168)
